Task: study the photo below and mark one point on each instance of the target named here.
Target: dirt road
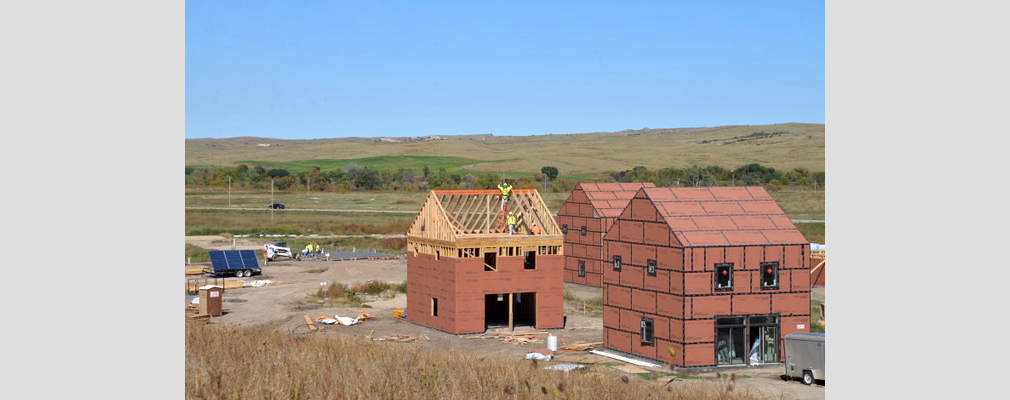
(282, 306)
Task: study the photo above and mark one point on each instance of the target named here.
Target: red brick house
(701, 277)
(584, 218)
(466, 273)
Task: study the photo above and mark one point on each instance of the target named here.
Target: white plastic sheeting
(346, 321)
(537, 356)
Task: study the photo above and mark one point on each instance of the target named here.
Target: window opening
(434, 307)
(582, 268)
(564, 228)
(769, 275)
(648, 332)
(723, 277)
(617, 263)
(651, 267)
(583, 230)
(490, 260)
(531, 260)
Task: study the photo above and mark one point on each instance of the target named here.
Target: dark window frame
(564, 228)
(617, 263)
(729, 277)
(650, 267)
(774, 265)
(582, 268)
(582, 231)
(530, 260)
(648, 332)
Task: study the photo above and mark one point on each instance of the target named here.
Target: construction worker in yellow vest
(512, 223)
(506, 189)
(308, 250)
(319, 250)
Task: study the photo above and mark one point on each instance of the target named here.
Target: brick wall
(681, 299)
(460, 285)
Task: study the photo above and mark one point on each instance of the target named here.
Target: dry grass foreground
(248, 363)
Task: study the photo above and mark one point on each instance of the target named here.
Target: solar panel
(233, 259)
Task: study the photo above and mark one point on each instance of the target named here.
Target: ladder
(500, 223)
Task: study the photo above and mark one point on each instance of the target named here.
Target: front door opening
(497, 310)
(747, 340)
(524, 309)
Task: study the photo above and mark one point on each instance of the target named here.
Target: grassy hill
(781, 146)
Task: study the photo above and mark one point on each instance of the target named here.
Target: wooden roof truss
(451, 215)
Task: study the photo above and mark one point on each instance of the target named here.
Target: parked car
(276, 206)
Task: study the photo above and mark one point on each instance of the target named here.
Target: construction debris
(395, 338)
(197, 319)
(346, 321)
(581, 346)
(398, 313)
(521, 338)
(565, 367)
(538, 355)
(312, 325)
(631, 369)
(625, 359)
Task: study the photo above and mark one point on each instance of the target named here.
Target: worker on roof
(535, 229)
(505, 189)
(511, 219)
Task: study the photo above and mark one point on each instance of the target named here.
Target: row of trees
(747, 175)
(355, 177)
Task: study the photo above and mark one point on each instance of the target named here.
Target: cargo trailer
(805, 356)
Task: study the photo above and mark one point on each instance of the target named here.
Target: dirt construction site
(278, 299)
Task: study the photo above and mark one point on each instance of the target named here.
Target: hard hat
(510, 212)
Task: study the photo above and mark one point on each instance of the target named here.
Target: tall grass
(815, 316)
(226, 362)
(196, 253)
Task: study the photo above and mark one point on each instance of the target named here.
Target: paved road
(301, 209)
(795, 221)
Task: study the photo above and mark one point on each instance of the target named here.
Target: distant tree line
(748, 175)
(354, 177)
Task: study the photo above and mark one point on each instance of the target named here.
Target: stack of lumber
(581, 346)
(520, 338)
(194, 269)
(197, 318)
(226, 285)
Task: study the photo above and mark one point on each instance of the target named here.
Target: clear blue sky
(326, 69)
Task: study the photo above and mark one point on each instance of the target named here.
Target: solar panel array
(233, 259)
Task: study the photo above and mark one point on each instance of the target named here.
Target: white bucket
(552, 343)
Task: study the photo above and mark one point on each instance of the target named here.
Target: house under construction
(466, 273)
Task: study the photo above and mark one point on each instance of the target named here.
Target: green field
(392, 163)
(797, 204)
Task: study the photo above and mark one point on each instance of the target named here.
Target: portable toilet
(805, 356)
(210, 300)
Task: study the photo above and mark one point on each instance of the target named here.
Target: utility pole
(229, 191)
(271, 200)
